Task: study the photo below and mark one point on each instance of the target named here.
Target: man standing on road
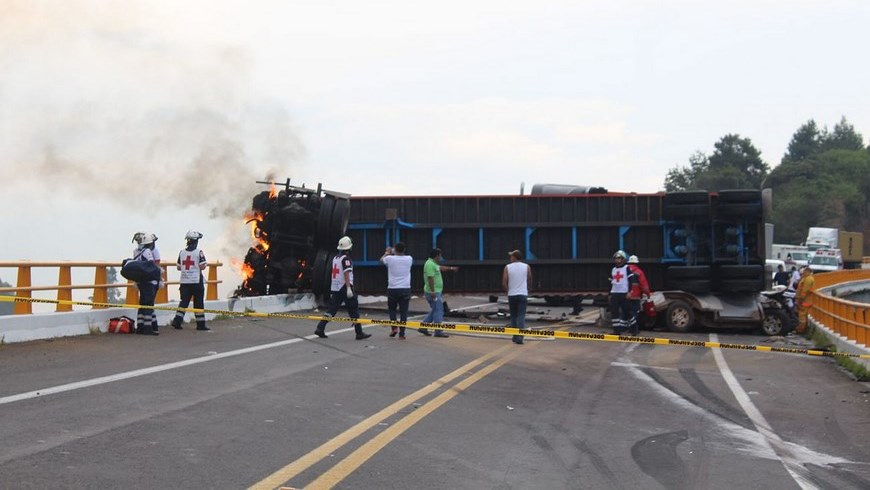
(433, 288)
(341, 290)
(515, 279)
(621, 312)
(191, 262)
(639, 291)
(781, 278)
(398, 284)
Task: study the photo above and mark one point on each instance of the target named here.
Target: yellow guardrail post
(162, 293)
(212, 291)
(101, 292)
(132, 294)
(64, 293)
(23, 307)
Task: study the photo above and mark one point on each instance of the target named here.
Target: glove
(349, 292)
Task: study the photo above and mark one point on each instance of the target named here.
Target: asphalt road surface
(263, 403)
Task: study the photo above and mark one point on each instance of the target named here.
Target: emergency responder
(341, 289)
(191, 262)
(639, 291)
(806, 285)
(146, 320)
(621, 278)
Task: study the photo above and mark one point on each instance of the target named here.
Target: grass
(858, 370)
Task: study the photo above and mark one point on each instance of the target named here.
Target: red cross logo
(187, 263)
(618, 276)
(335, 271)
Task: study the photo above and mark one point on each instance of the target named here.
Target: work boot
(425, 331)
(363, 336)
(202, 328)
(321, 334)
(394, 331)
(176, 323)
(441, 334)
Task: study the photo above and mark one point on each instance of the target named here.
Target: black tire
(339, 218)
(687, 212)
(739, 203)
(687, 197)
(318, 274)
(696, 286)
(322, 237)
(739, 196)
(740, 285)
(740, 271)
(775, 322)
(679, 272)
(680, 317)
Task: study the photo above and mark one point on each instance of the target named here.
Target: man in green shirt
(433, 287)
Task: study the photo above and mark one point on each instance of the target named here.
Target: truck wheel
(740, 285)
(680, 317)
(696, 286)
(686, 205)
(678, 272)
(322, 236)
(775, 322)
(739, 203)
(339, 218)
(318, 273)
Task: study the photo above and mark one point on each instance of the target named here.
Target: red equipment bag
(122, 324)
(649, 309)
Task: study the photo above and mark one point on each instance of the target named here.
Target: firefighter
(639, 290)
(341, 289)
(191, 262)
(806, 285)
(621, 279)
(146, 320)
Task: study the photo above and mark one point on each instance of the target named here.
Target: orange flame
(273, 191)
(254, 219)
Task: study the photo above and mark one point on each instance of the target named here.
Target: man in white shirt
(398, 284)
(515, 279)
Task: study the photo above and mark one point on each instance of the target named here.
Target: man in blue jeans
(398, 285)
(515, 279)
(433, 288)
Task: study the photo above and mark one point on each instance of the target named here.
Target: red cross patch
(187, 263)
(618, 276)
(335, 271)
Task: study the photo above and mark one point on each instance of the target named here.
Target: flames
(260, 237)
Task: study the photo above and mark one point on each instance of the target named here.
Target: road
(263, 403)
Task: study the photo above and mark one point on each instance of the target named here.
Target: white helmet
(137, 237)
(633, 260)
(147, 239)
(344, 243)
(620, 254)
(193, 235)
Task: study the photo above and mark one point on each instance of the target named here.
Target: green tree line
(822, 180)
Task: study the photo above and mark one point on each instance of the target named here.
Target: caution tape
(461, 327)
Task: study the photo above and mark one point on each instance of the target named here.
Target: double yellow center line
(353, 461)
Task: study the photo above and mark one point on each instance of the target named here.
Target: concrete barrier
(24, 328)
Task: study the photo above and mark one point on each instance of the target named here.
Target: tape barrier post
(464, 327)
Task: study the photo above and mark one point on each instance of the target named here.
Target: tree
(805, 142)
(113, 294)
(734, 164)
(843, 137)
(6, 308)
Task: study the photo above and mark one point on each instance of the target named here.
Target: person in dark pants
(146, 321)
(191, 262)
(398, 284)
(622, 313)
(341, 290)
(515, 279)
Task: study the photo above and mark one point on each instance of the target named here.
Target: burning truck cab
(295, 230)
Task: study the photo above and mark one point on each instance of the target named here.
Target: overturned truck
(703, 253)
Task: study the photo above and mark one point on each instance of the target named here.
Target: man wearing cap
(515, 279)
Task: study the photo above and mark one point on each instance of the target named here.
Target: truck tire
(322, 237)
(680, 317)
(775, 322)
(696, 286)
(688, 205)
(318, 273)
(740, 285)
(678, 272)
(739, 203)
(740, 271)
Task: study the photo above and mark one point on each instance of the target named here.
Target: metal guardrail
(64, 287)
(848, 318)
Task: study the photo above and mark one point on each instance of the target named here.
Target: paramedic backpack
(138, 270)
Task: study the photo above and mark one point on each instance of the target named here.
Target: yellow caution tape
(462, 327)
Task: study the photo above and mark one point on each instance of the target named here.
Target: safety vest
(189, 262)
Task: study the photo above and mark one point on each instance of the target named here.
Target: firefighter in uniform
(806, 285)
(191, 262)
(621, 312)
(146, 320)
(341, 290)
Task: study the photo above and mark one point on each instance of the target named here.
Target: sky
(160, 116)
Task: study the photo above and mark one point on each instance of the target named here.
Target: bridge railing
(848, 318)
(100, 286)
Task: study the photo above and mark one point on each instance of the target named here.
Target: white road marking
(786, 455)
(153, 369)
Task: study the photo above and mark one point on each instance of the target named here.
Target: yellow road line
(356, 459)
(291, 470)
